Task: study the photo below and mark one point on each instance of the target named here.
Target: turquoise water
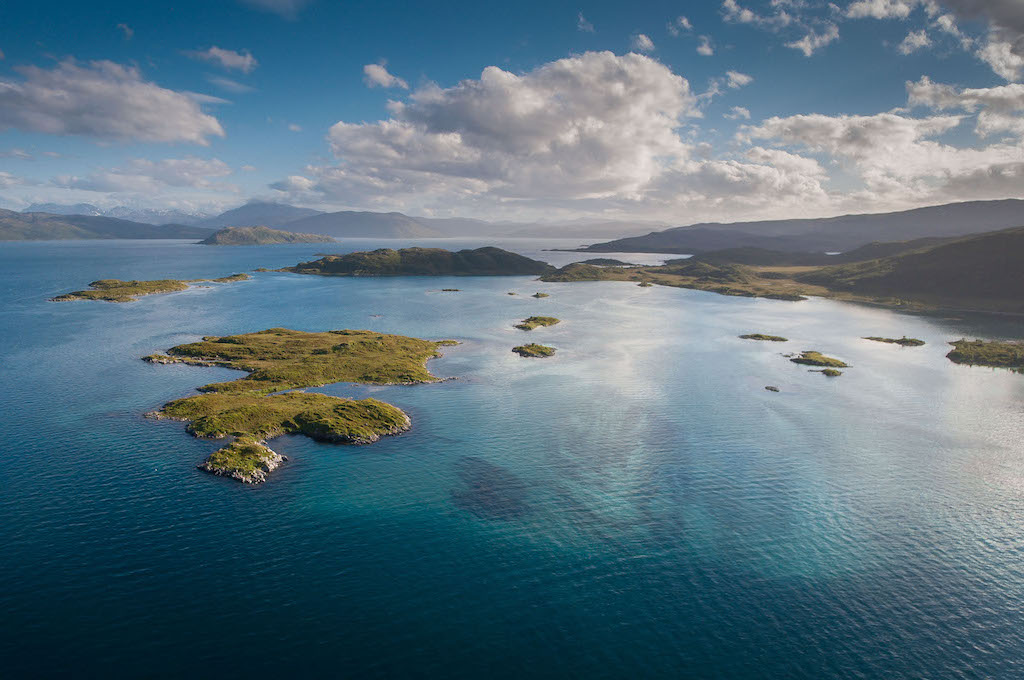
(636, 506)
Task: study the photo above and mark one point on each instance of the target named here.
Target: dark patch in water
(489, 491)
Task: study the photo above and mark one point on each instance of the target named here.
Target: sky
(536, 110)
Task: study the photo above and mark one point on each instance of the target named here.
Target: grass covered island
(488, 261)
(534, 351)
(811, 357)
(992, 353)
(902, 342)
(532, 322)
(115, 290)
(762, 336)
(258, 236)
(263, 405)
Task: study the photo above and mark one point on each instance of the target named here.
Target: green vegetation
(41, 226)
(423, 262)
(115, 290)
(253, 236)
(532, 322)
(762, 336)
(256, 408)
(540, 295)
(903, 342)
(645, 284)
(534, 351)
(992, 353)
(830, 372)
(813, 358)
(607, 262)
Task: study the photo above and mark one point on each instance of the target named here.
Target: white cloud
(294, 184)
(104, 100)
(737, 79)
(230, 85)
(376, 75)
(813, 41)
(127, 30)
(142, 175)
(679, 25)
(19, 154)
(294, 127)
(1000, 55)
(9, 180)
(881, 9)
(705, 48)
(583, 25)
(230, 59)
(914, 41)
(733, 12)
(738, 112)
(998, 109)
(288, 9)
(642, 43)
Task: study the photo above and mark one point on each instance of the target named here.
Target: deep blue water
(636, 506)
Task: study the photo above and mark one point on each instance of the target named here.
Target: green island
(811, 357)
(540, 295)
(996, 354)
(115, 290)
(762, 336)
(534, 351)
(902, 342)
(830, 372)
(488, 261)
(258, 236)
(532, 322)
(264, 405)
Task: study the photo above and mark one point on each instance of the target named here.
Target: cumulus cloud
(583, 25)
(642, 43)
(705, 48)
(142, 175)
(737, 80)
(230, 59)
(998, 109)
(376, 75)
(914, 41)
(679, 25)
(733, 12)
(294, 184)
(812, 42)
(1001, 55)
(102, 99)
(738, 112)
(881, 9)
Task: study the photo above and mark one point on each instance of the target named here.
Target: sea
(636, 506)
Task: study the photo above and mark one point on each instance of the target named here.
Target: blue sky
(680, 111)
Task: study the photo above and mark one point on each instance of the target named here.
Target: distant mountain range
(827, 234)
(15, 226)
(143, 215)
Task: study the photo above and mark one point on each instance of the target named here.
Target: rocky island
(115, 290)
(902, 342)
(532, 322)
(811, 357)
(992, 353)
(534, 351)
(264, 404)
(486, 261)
(258, 236)
(763, 337)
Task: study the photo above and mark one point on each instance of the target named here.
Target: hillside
(16, 226)
(424, 262)
(254, 236)
(259, 212)
(365, 224)
(778, 258)
(982, 272)
(827, 234)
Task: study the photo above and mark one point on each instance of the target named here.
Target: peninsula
(488, 261)
(258, 236)
(115, 290)
(265, 403)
